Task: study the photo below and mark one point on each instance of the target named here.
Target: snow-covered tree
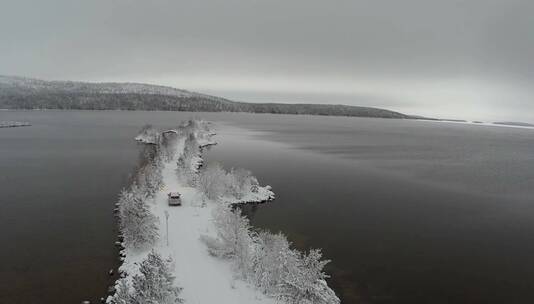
(137, 223)
(268, 261)
(155, 283)
(204, 130)
(122, 293)
(189, 160)
(148, 134)
(190, 126)
(301, 284)
(191, 147)
(271, 260)
(236, 238)
(254, 185)
(167, 145)
(185, 172)
(212, 181)
(289, 275)
(215, 182)
(239, 182)
(149, 178)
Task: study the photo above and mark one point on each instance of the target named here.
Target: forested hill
(25, 93)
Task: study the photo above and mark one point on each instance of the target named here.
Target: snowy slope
(87, 87)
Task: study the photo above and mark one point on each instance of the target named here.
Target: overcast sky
(449, 58)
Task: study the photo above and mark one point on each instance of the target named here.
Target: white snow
(12, 124)
(147, 139)
(148, 135)
(204, 278)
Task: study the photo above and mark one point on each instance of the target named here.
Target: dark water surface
(59, 180)
(409, 211)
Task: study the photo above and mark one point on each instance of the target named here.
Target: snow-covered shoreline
(194, 230)
(13, 124)
(476, 123)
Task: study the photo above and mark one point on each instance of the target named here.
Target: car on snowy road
(174, 199)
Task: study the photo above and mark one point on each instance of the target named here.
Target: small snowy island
(13, 124)
(199, 248)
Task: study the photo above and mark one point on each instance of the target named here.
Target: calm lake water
(408, 211)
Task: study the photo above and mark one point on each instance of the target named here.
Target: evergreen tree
(137, 223)
(235, 236)
(122, 294)
(155, 283)
(212, 181)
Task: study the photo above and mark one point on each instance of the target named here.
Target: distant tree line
(22, 93)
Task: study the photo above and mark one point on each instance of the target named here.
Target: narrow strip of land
(208, 266)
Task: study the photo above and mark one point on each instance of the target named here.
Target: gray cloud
(470, 59)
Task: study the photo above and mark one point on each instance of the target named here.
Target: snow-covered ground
(146, 139)
(148, 135)
(204, 278)
(12, 124)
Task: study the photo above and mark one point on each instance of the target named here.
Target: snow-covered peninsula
(204, 250)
